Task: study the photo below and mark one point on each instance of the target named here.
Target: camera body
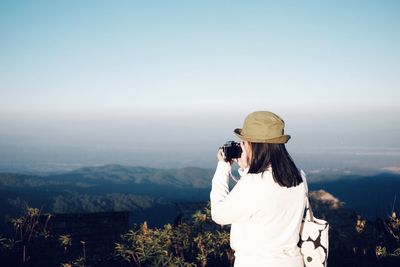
(232, 150)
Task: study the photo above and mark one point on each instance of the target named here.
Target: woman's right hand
(220, 155)
(243, 161)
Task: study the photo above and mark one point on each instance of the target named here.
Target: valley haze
(355, 141)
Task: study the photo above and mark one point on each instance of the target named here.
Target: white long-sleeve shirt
(265, 218)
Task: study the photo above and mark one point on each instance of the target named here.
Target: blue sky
(83, 73)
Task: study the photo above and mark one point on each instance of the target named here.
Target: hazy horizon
(320, 141)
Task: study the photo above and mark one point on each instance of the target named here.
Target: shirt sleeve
(227, 206)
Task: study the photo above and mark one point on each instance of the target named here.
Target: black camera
(232, 150)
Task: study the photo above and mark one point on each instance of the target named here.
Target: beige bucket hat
(263, 127)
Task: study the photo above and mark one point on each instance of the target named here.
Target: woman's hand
(220, 155)
(243, 161)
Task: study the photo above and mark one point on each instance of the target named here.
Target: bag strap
(309, 212)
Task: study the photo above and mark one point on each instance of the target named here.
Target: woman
(266, 206)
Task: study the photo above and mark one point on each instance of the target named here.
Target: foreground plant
(29, 226)
(392, 226)
(196, 243)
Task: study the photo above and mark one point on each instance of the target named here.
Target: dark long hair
(284, 170)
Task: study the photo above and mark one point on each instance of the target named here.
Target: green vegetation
(392, 226)
(65, 242)
(28, 227)
(32, 224)
(196, 242)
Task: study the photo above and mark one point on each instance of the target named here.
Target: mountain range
(153, 194)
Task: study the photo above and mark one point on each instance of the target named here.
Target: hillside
(153, 194)
(150, 194)
(371, 196)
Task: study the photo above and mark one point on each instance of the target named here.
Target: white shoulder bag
(314, 238)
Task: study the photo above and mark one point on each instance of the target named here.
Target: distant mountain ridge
(189, 177)
(114, 186)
